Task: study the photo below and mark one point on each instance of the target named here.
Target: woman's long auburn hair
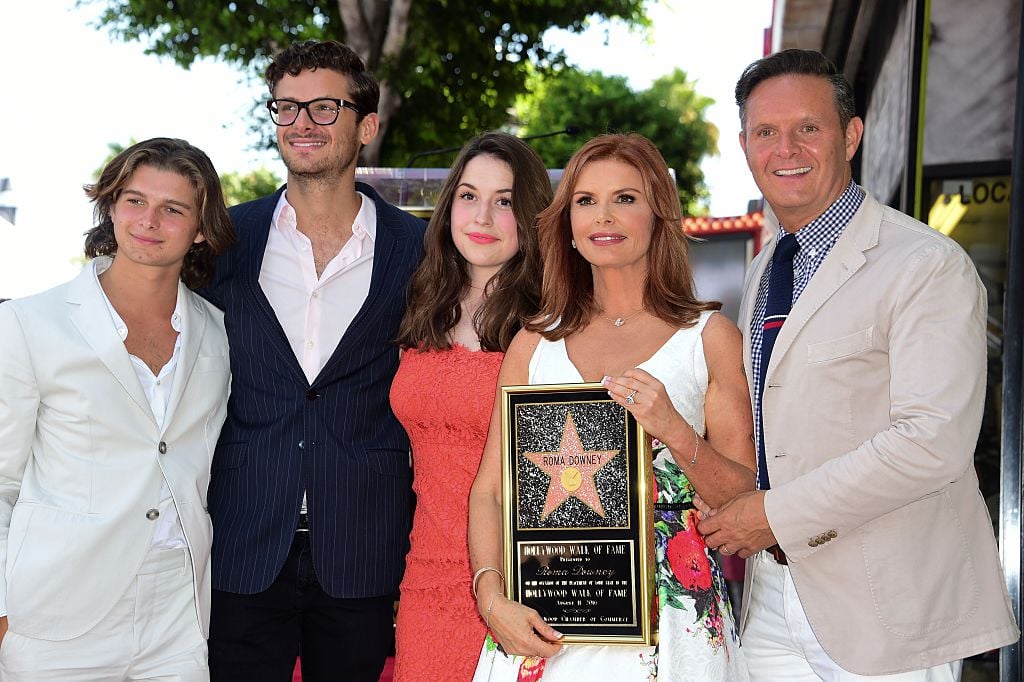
(441, 281)
(567, 292)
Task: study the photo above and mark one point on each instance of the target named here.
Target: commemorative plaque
(578, 512)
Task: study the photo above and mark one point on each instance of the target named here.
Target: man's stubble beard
(325, 174)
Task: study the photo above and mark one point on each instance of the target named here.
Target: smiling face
(156, 219)
(796, 147)
(483, 225)
(318, 151)
(611, 217)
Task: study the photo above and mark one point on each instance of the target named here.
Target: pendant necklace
(619, 321)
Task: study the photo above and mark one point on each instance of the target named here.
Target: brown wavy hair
(442, 279)
(567, 292)
(310, 55)
(176, 156)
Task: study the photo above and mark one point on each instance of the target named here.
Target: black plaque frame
(587, 567)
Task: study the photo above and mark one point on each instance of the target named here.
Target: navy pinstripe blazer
(336, 439)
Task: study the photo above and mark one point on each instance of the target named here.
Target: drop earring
(573, 242)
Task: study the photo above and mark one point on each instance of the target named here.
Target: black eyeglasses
(323, 111)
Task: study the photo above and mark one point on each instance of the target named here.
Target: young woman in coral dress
(480, 278)
(618, 306)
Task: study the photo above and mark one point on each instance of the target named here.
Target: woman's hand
(704, 510)
(520, 630)
(646, 399)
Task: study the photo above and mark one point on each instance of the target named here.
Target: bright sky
(69, 90)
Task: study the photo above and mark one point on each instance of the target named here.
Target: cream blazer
(872, 406)
(82, 459)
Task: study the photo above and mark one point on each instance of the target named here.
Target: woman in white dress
(618, 306)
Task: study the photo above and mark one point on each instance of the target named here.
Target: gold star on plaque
(571, 470)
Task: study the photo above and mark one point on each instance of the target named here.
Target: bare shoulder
(719, 329)
(723, 345)
(515, 367)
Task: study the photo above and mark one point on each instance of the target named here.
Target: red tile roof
(706, 227)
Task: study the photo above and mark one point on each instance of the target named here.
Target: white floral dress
(698, 641)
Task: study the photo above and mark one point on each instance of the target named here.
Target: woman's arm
(721, 464)
(520, 630)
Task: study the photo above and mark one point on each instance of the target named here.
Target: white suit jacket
(871, 409)
(82, 459)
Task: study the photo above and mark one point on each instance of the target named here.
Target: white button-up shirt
(316, 311)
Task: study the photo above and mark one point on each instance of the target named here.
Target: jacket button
(152, 514)
(312, 394)
(832, 535)
(162, 448)
(813, 542)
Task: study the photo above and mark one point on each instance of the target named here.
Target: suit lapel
(386, 248)
(845, 258)
(193, 325)
(257, 224)
(91, 317)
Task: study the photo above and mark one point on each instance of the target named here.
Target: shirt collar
(364, 226)
(100, 264)
(826, 228)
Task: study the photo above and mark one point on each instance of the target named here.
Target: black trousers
(256, 637)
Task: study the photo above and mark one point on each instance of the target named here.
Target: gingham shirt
(816, 240)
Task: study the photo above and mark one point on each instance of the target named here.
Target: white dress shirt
(316, 311)
(168, 533)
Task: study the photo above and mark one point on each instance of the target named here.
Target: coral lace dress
(698, 641)
(444, 400)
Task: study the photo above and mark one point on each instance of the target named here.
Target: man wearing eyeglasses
(310, 489)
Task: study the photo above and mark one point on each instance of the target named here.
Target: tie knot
(786, 249)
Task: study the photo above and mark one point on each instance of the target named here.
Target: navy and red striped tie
(780, 300)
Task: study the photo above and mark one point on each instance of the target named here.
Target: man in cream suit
(113, 389)
(872, 551)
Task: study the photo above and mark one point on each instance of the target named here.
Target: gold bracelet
(485, 569)
(696, 447)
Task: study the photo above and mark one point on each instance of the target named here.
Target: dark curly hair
(176, 156)
(311, 55)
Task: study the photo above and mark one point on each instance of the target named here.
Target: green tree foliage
(670, 113)
(241, 187)
(448, 68)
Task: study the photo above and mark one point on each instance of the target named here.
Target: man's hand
(740, 526)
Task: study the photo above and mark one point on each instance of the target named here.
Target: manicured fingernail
(605, 379)
(558, 634)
